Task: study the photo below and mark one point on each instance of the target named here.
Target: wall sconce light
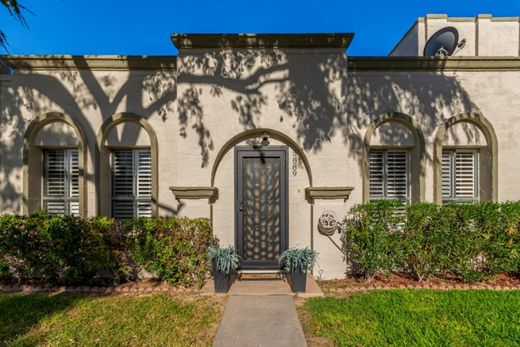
(265, 139)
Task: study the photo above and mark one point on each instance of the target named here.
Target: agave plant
(226, 259)
(298, 259)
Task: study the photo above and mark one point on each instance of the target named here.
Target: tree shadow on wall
(82, 93)
(315, 92)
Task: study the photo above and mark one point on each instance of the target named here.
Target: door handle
(240, 208)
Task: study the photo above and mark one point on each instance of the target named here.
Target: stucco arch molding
(255, 133)
(418, 152)
(32, 195)
(491, 148)
(103, 159)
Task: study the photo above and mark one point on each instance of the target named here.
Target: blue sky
(143, 27)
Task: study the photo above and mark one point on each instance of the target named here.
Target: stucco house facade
(269, 136)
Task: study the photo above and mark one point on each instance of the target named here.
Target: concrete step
(260, 275)
(258, 271)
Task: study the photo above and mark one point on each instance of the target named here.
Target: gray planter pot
(221, 280)
(298, 281)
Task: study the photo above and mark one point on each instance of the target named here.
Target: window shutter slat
(61, 181)
(397, 175)
(74, 174)
(144, 174)
(465, 175)
(459, 175)
(144, 183)
(74, 208)
(376, 173)
(131, 184)
(388, 172)
(55, 207)
(122, 184)
(123, 175)
(446, 174)
(55, 173)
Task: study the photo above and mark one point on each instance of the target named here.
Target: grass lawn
(415, 317)
(66, 319)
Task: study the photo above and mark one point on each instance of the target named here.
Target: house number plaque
(294, 166)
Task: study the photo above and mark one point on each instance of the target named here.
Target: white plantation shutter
(144, 183)
(465, 175)
(122, 184)
(397, 175)
(61, 181)
(447, 174)
(376, 174)
(74, 182)
(460, 175)
(131, 184)
(389, 175)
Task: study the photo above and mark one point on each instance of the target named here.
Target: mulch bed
(330, 287)
(402, 281)
(141, 287)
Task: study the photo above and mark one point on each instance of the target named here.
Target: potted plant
(296, 262)
(224, 261)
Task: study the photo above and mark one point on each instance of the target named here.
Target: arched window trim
(417, 153)
(32, 198)
(491, 148)
(103, 174)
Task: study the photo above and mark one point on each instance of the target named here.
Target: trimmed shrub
(461, 241)
(500, 226)
(42, 249)
(172, 248)
(56, 250)
(472, 241)
(371, 241)
(422, 241)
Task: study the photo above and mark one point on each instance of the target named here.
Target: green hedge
(472, 241)
(174, 249)
(70, 250)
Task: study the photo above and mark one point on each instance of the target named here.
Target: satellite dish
(443, 43)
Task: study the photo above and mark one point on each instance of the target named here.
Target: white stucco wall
(308, 95)
(485, 35)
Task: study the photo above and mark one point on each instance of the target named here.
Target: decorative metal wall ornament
(328, 223)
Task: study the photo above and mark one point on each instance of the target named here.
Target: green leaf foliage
(472, 241)
(224, 259)
(172, 248)
(55, 250)
(42, 249)
(370, 239)
(298, 259)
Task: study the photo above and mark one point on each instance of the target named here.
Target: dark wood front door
(261, 205)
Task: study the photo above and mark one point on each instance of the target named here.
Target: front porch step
(258, 275)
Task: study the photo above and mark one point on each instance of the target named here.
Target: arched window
(54, 163)
(128, 167)
(465, 160)
(393, 158)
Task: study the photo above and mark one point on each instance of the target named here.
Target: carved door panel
(261, 203)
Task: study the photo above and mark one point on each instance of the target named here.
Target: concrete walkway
(260, 320)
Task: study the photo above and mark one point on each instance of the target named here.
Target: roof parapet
(5, 69)
(245, 41)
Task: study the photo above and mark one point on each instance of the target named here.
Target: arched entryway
(261, 208)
